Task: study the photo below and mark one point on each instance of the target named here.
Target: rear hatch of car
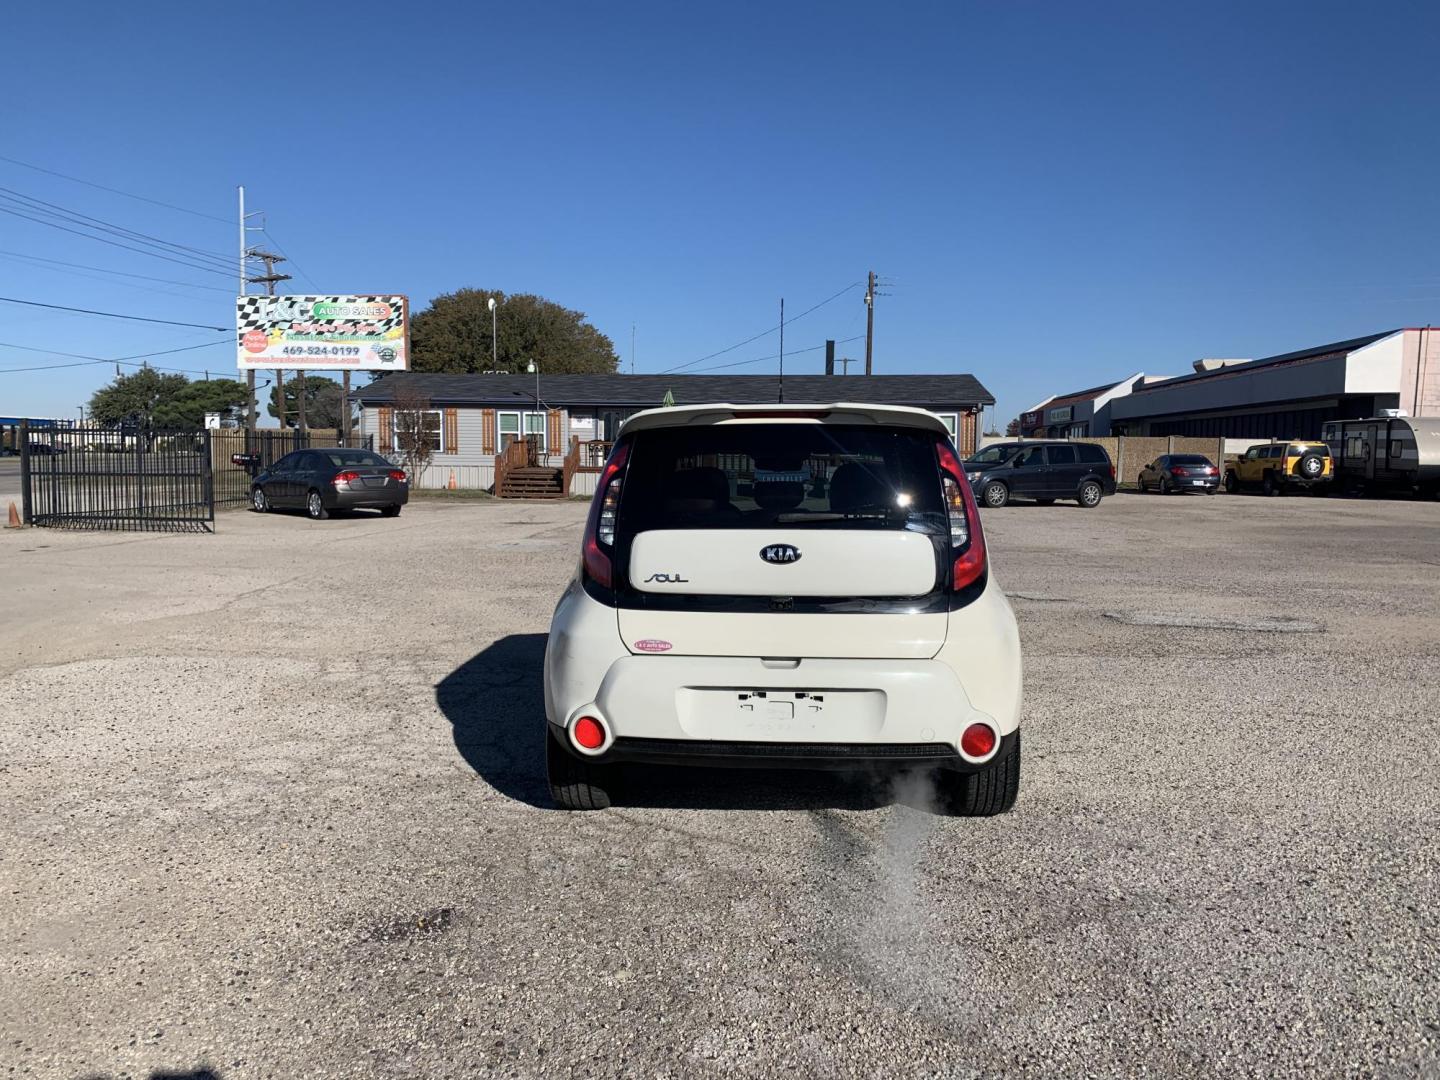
(783, 539)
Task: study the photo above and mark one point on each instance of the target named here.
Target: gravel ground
(274, 807)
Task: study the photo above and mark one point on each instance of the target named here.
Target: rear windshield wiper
(834, 515)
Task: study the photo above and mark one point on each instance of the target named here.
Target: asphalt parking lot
(274, 807)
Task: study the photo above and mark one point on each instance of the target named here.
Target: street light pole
(494, 339)
(533, 366)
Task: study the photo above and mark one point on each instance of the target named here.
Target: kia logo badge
(780, 553)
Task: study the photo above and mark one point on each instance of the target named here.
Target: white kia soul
(799, 586)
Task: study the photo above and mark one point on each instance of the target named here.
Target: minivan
(798, 586)
(1042, 472)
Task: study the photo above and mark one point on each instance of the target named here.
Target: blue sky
(1062, 193)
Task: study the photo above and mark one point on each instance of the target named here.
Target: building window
(419, 426)
(510, 424)
(951, 422)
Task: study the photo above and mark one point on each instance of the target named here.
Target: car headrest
(779, 494)
(854, 485)
(702, 490)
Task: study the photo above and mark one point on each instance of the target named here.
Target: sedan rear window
(743, 476)
(341, 458)
(1189, 459)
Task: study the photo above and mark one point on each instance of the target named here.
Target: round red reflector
(589, 733)
(978, 740)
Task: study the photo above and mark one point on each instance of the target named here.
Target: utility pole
(869, 320)
(250, 373)
(268, 279)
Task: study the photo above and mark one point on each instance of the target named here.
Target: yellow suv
(1275, 467)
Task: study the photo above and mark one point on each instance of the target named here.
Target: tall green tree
(149, 399)
(453, 335)
(133, 398)
(187, 409)
(324, 402)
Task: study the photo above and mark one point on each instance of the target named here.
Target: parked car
(791, 585)
(331, 479)
(1399, 453)
(1275, 468)
(1042, 471)
(1170, 473)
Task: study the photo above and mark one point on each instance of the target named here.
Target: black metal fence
(237, 455)
(99, 478)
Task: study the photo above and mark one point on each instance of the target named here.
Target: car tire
(575, 784)
(390, 511)
(995, 494)
(315, 506)
(1311, 466)
(1090, 494)
(1232, 484)
(259, 502)
(1164, 486)
(990, 791)
(1268, 485)
(1140, 484)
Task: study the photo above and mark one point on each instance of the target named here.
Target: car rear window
(743, 476)
(341, 458)
(1189, 459)
(1308, 448)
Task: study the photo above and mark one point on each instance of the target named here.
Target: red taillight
(346, 477)
(397, 474)
(1112, 470)
(967, 541)
(978, 740)
(588, 733)
(600, 525)
(1179, 471)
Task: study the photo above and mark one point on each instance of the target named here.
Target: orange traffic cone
(452, 485)
(14, 518)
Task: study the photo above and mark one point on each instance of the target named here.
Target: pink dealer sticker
(652, 645)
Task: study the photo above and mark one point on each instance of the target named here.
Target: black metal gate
(102, 478)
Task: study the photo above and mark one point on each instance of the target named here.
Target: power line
(763, 333)
(115, 191)
(114, 243)
(87, 361)
(75, 217)
(118, 273)
(291, 261)
(115, 315)
(775, 356)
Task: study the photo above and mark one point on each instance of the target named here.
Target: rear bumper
(717, 754)
(366, 498)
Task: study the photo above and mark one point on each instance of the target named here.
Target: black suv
(1042, 471)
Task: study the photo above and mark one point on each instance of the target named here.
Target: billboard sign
(359, 333)
(1032, 419)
